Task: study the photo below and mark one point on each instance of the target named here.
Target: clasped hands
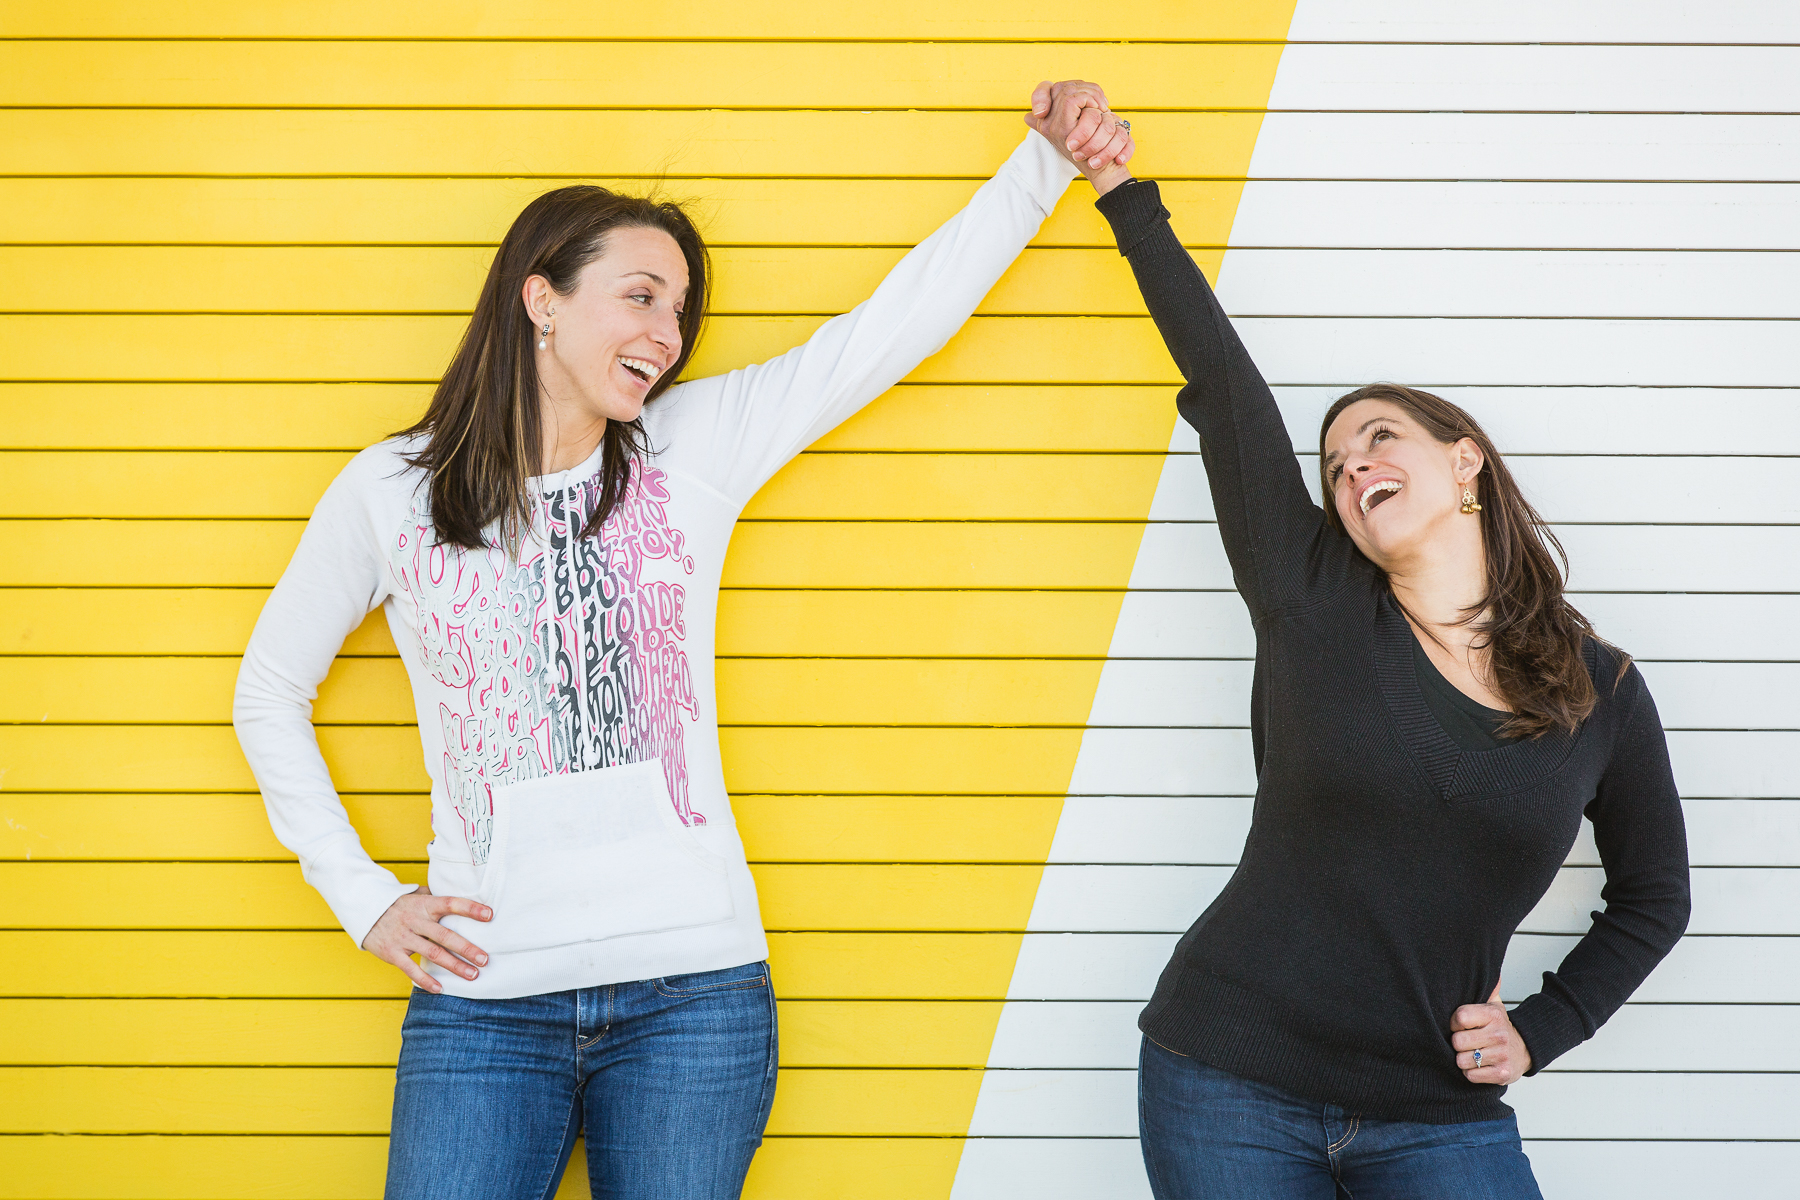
(1073, 116)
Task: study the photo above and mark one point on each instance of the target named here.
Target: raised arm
(1642, 839)
(1280, 549)
(738, 429)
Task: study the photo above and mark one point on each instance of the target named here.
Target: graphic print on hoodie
(567, 656)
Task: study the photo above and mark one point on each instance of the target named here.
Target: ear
(539, 296)
(1466, 459)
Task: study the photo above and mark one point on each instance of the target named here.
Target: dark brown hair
(482, 427)
(1534, 636)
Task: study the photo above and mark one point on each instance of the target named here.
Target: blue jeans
(671, 1078)
(1209, 1135)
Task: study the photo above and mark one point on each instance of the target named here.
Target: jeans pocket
(750, 975)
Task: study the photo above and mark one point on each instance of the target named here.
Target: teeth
(638, 364)
(1386, 485)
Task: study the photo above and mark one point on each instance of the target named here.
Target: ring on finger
(1478, 1060)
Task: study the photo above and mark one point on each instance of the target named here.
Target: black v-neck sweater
(1386, 867)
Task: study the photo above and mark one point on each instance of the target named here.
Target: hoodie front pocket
(593, 855)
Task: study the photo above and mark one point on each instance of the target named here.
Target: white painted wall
(1591, 247)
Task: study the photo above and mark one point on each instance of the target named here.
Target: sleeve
(335, 579)
(1281, 550)
(1642, 838)
(736, 430)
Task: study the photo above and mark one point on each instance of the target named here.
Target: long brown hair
(482, 428)
(1533, 635)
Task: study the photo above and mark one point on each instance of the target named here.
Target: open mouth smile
(1377, 492)
(641, 368)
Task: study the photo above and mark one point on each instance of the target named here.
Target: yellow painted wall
(237, 242)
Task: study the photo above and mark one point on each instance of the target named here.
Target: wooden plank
(759, 74)
(1078, 1168)
(447, 279)
(644, 143)
(751, 623)
(764, 554)
(51, 826)
(439, 211)
(1578, 489)
(1664, 1170)
(173, 963)
(1716, 627)
(1086, 1035)
(358, 1100)
(933, 20)
(1210, 692)
(1211, 829)
(814, 1033)
(1481, 213)
(1602, 558)
(1567, 1104)
(1217, 762)
(1739, 21)
(400, 349)
(1613, 79)
(138, 826)
(969, 486)
(953, 555)
(833, 486)
(1582, 420)
(199, 1167)
(1300, 350)
(876, 761)
(306, 416)
(1519, 146)
(1699, 970)
(934, 897)
(1495, 283)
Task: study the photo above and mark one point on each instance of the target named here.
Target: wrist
(1109, 177)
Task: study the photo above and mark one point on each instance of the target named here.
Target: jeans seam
(732, 986)
(555, 1181)
(1355, 1125)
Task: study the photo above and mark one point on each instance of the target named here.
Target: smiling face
(618, 331)
(1394, 486)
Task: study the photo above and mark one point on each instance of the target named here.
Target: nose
(667, 332)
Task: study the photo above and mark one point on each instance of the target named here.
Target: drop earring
(544, 343)
(1469, 507)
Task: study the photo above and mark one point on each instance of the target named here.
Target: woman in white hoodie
(547, 545)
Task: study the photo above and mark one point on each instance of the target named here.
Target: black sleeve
(1282, 553)
(1643, 845)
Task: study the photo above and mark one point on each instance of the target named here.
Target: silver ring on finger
(1124, 124)
(1478, 1060)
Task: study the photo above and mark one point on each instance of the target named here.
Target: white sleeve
(336, 578)
(738, 429)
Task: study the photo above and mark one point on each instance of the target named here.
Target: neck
(1441, 583)
(566, 435)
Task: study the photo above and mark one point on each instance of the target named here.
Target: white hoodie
(565, 693)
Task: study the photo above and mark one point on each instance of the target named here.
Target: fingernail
(482, 959)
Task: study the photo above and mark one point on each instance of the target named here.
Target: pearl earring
(543, 342)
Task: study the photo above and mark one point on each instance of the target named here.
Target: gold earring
(1469, 507)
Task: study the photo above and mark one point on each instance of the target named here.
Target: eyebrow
(660, 281)
(1331, 459)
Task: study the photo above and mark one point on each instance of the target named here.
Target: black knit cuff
(1550, 1029)
(1134, 210)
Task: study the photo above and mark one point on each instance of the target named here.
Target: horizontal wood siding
(239, 242)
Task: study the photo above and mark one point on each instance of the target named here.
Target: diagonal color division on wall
(238, 243)
(1596, 206)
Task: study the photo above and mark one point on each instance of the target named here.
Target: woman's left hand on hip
(1488, 1048)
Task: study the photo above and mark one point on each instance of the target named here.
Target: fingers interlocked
(1076, 118)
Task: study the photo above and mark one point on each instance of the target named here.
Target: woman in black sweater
(1431, 720)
